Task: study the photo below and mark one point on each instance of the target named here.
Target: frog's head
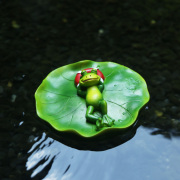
(89, 79)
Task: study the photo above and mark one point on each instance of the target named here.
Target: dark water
(39, 36)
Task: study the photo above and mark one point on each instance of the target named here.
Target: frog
(91, 87)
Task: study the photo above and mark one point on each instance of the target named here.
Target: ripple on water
(146, 156)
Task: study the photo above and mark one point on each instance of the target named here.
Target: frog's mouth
(90, 79)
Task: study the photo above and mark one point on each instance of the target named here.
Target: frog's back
(93, 96)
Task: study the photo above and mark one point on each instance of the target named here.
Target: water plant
(58, 102)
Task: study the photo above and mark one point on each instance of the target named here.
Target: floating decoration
(91, 99)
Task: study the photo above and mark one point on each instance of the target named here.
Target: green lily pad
(57, 102)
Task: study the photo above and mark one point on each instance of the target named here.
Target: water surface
(145, 157)
(39, 36)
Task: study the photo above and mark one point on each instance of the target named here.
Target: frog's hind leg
(93, 119)
(103, 106)
(89, 115)
(109, 120)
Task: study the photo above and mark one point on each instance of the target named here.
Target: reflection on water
(145, 156)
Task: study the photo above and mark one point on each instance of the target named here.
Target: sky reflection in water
(143, 157)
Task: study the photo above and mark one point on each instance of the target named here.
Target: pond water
(144, 157)
(39, 36)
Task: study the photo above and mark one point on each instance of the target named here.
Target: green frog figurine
(90, 87)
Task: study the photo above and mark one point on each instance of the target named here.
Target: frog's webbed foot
(99, 124)
(108, 121)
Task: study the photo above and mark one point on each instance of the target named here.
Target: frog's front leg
(101, 85)
(81, 92)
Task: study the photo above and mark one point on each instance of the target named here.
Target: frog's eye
(83, 72)
(94, 71)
